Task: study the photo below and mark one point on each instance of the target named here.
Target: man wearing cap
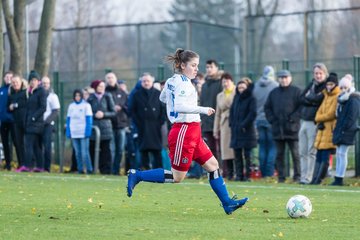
(282, 110)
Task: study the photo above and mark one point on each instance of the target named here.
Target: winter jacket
(311, 99)
(242, 119)
(120, 98)
(262, 89)
(149, 114)
(282, 110)
(106, 105)
(209, 90)
(35, 109)
(5, 115)
(221, 124)
(19, 99)
(326, 120)
(348, 114)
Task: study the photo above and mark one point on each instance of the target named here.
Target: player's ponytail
(181, 56)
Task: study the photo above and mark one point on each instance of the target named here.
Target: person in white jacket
(185, 141)
(78, 128)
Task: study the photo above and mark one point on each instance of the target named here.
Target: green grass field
(63, 206)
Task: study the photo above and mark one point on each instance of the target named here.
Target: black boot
(338, 181)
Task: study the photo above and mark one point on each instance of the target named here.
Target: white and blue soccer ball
(298, 206)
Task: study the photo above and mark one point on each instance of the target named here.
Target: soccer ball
(298, 206)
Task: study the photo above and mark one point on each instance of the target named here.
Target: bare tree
(15, 31)
(42, 59)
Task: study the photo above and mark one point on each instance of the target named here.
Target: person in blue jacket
(6, 120)
(348, 113)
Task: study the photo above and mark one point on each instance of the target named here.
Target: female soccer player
(185, 142)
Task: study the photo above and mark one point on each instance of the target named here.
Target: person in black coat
(120, 122)
(34, 124)
(103, 108)
(17, 106)
(348, 113)
(242, 124)
(282, 110)
(149, 114)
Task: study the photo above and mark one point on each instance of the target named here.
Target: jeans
(132, 156)
(81, 147)
(118, 146)
(46, 141)
(267, 148)
(307, 135)
(341, 160)
(280, 158)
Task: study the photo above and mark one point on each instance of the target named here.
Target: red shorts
(186, 144)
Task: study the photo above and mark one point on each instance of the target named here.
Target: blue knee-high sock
(218, 185)
(158, 175)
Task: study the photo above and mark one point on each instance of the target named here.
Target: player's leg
(219, 187)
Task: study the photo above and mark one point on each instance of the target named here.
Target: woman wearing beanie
(221, 124)
(348, 112)
(241, 121)
(326, 119)
(78, 129)
(103, 108)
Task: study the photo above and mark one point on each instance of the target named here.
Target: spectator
(87, 91)
(119, 122)
(34, 124)
(103, 108)
(348, 112)
(122, 85)
(222, 130)
(325, 119)
(267, 148)
(78, 127)
(6, 120)
(17, 106)
(209, 90)
(282, 110)
(241, 121)
(50, 116)
(198, 82)
(311, 99)
(149, 115)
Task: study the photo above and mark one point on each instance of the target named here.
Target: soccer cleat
(133, 179)
(234, 204)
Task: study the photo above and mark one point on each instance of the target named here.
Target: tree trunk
(42, 59)
(15, 31)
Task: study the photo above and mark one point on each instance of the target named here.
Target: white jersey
(181, 99)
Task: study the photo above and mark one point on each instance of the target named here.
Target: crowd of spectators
(269, 114)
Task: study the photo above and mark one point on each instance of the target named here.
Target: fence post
(307, 76)
(160, 72)
(58, 126)
(357, 138)
(97, 148)
(221, 65)
(285, 64)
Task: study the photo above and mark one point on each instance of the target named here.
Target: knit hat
(94, 84)
(33, 74)
(333, 78)
(346, 81)
(268, 73)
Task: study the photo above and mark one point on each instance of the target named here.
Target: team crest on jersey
(182, 93)
(185, 160)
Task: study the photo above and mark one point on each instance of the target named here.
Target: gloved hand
(320, 126)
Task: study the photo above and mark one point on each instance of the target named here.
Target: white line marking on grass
(233, 184)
